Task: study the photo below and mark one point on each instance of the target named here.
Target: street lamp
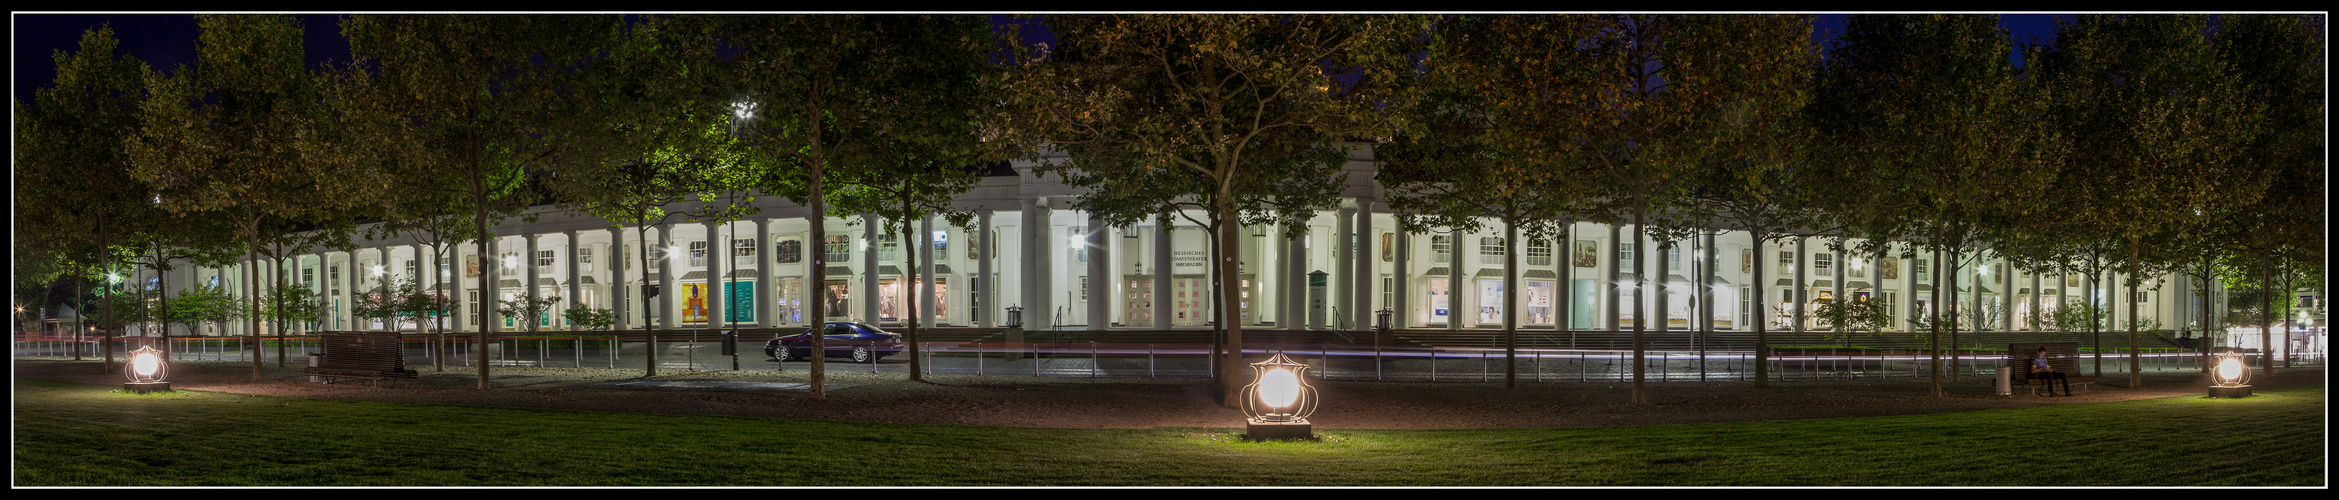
(2231, 375)
(1279, 400)
(146, 371)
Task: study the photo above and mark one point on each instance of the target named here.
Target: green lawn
(86, 435)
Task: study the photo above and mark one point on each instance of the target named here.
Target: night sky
(166, 41)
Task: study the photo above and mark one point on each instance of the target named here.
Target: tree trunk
(1950, 290)
(649, 325)
(1933, 316)
(1640, 352)
(2266, 315)
(487, 273)
(1510, 298)
(2135, 360)
(1223, 213)
(1761, 319)
(910, 312)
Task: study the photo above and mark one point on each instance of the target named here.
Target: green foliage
(295, 303)
(2079, 317)
(527, 309)
(204, 304)
(1850, 317)
(592, 318)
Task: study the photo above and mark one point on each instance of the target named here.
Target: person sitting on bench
(2040, 369)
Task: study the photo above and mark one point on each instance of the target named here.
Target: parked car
(862, 342)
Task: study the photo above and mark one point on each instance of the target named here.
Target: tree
(467, 106)
(1128, 95)
(1929, 134)
(2278, 61)
(2156, 116)
(76, 193)
(827, 91)
(1472, 151)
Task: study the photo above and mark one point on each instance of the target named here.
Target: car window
(839, 330)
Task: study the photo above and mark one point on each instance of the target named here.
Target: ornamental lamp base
(2239, 391)
(1279, 431)
(146, 387)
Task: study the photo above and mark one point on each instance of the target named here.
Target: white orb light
(1279, 400)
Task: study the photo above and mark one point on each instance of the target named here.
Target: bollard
(1092, 367)
(1149, 361)
(978, 358)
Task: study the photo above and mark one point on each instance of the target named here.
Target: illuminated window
(1441, 250)
(1823, 263)
(789, 250)
(1491, 250)
(837, 248)
(1538, 252)
(698, 254)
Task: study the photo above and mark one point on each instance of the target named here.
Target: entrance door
(1189, 300)
(1137, 300)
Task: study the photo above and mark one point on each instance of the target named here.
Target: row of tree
(2136, 143)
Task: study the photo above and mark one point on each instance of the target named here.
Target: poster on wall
(1587, 253)
(1888, 269)
(741, 307)
(1746, 261)
(694, 302)
(470, 268)
(1490, 301)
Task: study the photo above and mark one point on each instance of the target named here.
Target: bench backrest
(365, 350)
(2064, 356)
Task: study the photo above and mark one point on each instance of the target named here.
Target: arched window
(1491, 250)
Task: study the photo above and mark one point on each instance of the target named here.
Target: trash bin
(316, 360)
(2005, 382)
(730, 342)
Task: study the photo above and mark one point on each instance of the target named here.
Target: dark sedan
(862, 342)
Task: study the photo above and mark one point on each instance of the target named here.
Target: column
(576, 297)
(1843, 260)
(1343, 269)
(668, 273)
(1797, 293)
(1294, 290)
(1028, 235)
(718, 275)
(1659, 284)
(1163, 306)
(1403, 316)
(926, 271)
(349, 292)
(2038, 316)
(1360, 265)
(1459, 307)
(1705, 285)
(980, 296)
(530, 273)
(766, 258)
(1042, 264)
(1100, 274)
(869, 268)
(1615, 277)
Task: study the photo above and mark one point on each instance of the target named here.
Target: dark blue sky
(165, 41)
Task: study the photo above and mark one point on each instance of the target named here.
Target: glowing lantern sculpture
(2230, 375)
(146, 371)
(1279, 400)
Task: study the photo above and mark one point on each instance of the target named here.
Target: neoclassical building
(1028, 249)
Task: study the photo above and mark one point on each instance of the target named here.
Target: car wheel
(861, 354)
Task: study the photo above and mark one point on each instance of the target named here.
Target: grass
(87, 435)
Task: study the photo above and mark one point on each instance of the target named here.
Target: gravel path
(1023, 401)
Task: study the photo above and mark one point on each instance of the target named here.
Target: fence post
(978, 358)
(1092, 362)
(1149, 361)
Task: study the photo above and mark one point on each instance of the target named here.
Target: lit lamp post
(1279, 400)
(146, 371)
(2230, 375)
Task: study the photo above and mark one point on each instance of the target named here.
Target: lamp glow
(1279, 400)
(146, 371)
(2230, 377)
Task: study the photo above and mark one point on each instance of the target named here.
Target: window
(1491, 250)
(887, 250)
(544, 258)
(1079, 246)
(446, 270)
(836, 248)
(698, 254)
(584, 259)
(1823, 263)
(941, 245)
(1673, 258)
(1859, 268)
(1625, 253)
(308, 275)
(1441, 250)
(789, 250)
(333, 278)
(743, 247)
(2140, 297)
(1786, 260)
(1083, 289)
(410, 267)
(1388, 247)
(1745, 306)
(1538, 252)
(1389, 293)
(509, 264)
(1921, 269)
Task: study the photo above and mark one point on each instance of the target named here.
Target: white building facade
(1029, 249)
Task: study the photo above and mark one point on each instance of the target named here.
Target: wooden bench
(2064, 356)
(362, 355)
